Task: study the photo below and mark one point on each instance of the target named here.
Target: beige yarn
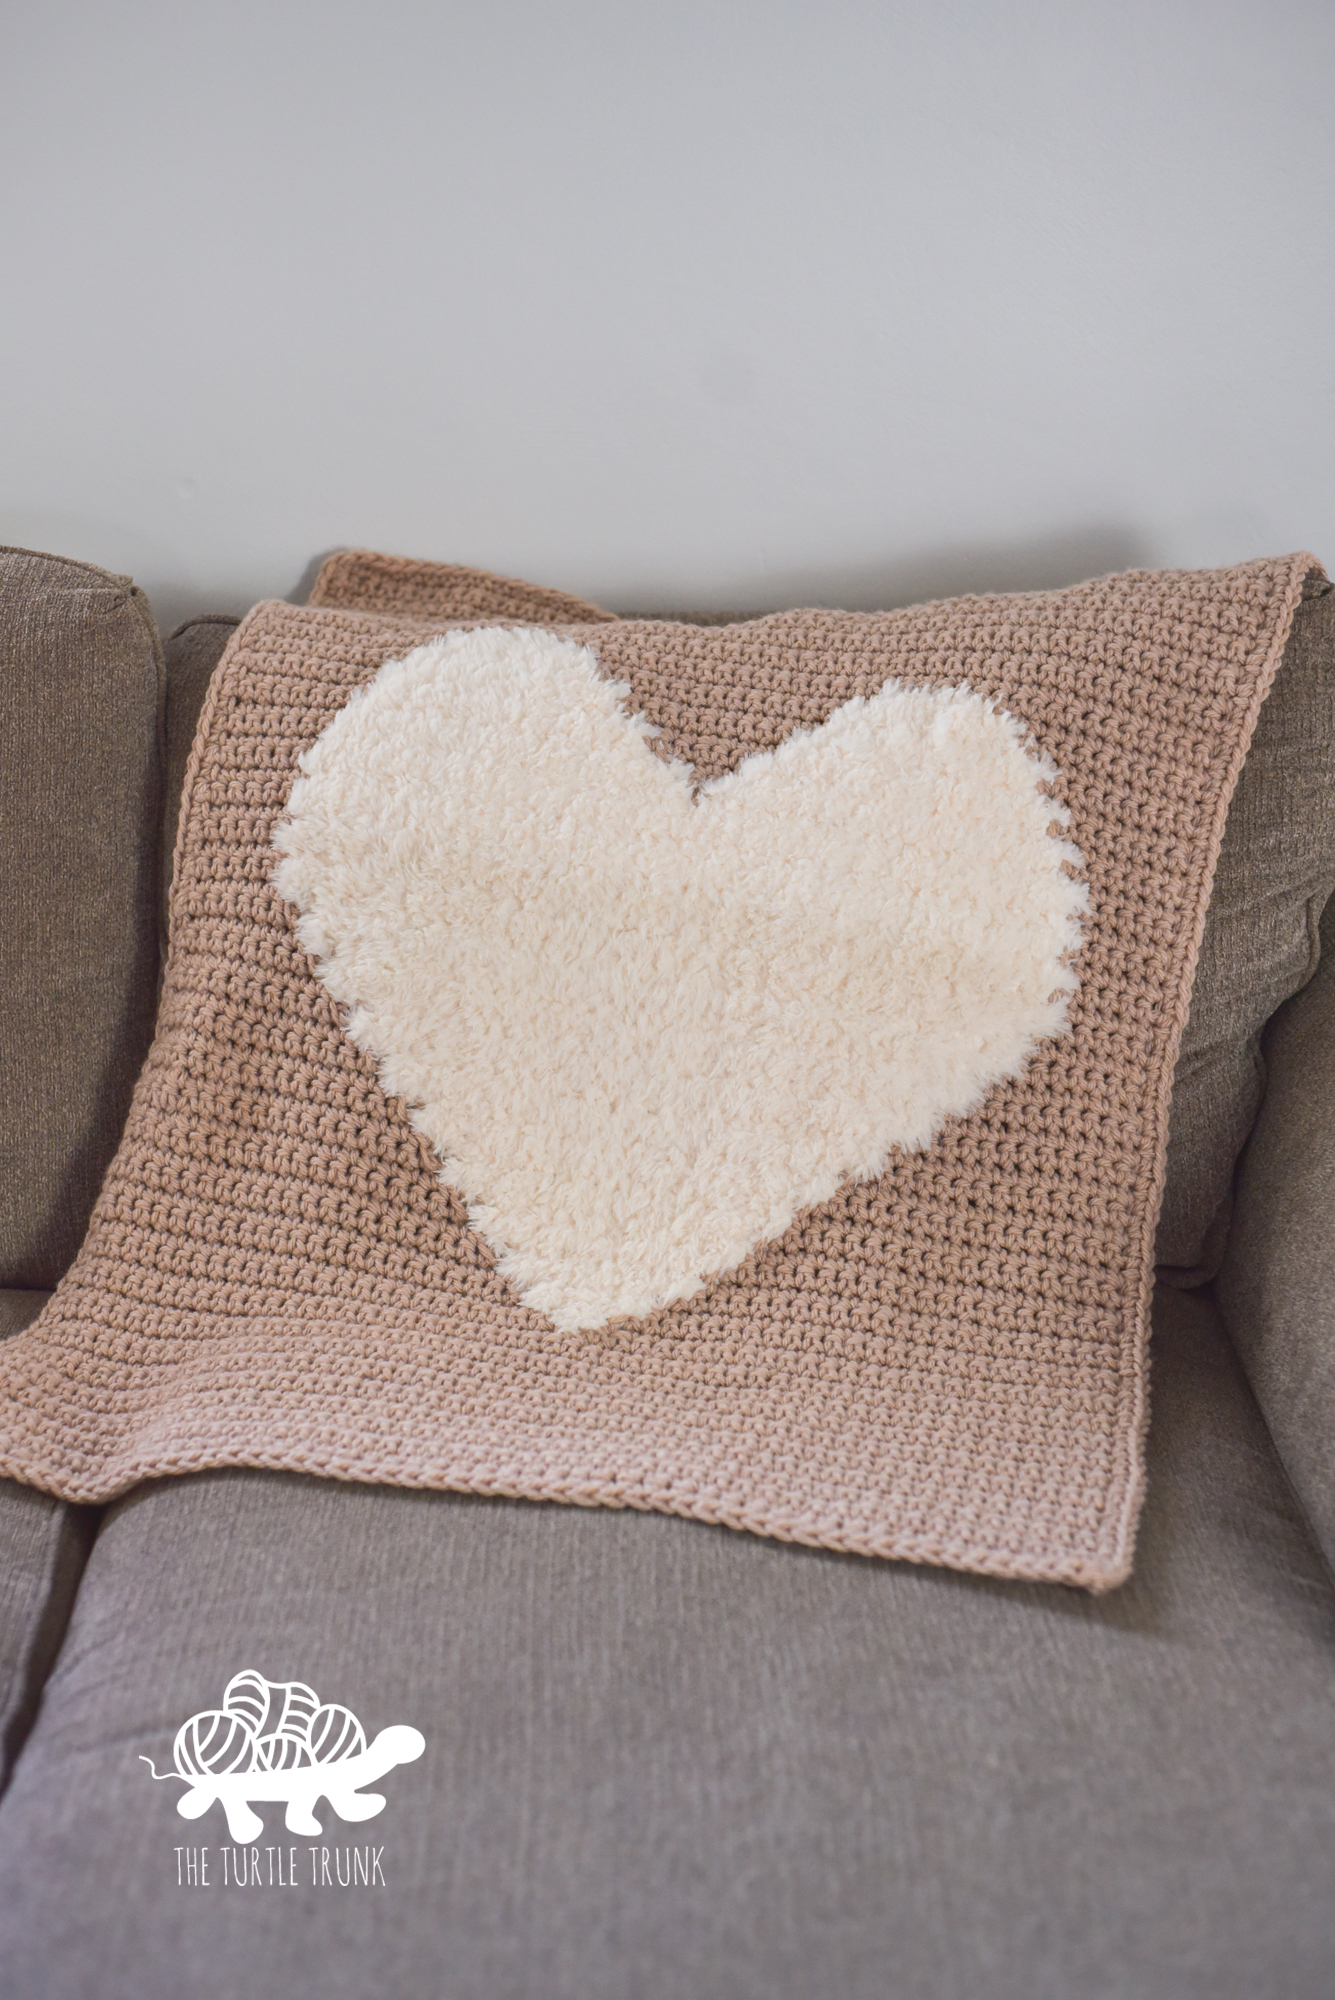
(946, 1364)
(358, 580)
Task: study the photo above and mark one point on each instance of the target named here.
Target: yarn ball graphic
(213, 1744)
(266, 1725)
(335, 1734)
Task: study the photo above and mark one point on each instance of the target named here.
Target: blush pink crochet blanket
(945, 1364)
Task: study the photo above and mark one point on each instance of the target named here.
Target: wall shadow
(1043, 562)
(305, 583)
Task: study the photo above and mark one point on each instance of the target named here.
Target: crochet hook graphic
(274, 1741)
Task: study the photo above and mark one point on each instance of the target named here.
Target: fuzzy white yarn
(646, 1023)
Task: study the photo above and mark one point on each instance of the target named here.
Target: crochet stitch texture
(946, 1364)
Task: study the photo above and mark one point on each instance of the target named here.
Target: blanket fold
(945, 1362)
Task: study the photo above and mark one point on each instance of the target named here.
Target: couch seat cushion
(670, 1760)
(43, 1546)
(81, 717)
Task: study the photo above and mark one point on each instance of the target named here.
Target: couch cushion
(667, 1759)
(81, 718)
(1277, 1287)
(1276, 870)
(43, 1546)
(190, 654)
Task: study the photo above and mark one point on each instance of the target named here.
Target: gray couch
(662, 1759)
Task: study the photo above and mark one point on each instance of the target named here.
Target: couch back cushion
(81, 719)
(1276, 870)
(191, 653)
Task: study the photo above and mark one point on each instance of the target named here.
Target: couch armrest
(1277, 1286)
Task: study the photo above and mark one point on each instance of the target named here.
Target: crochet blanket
(719, 1070)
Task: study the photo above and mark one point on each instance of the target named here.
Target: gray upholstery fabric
(81, 731)
(43, 1547)
(1276, 870)
(1277, 1287)
(670, 1761)
(191, 653)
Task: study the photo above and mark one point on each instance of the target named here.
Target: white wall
(703, 302)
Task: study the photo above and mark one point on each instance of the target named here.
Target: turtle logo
(276, 1741)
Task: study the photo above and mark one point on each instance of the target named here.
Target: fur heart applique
(644, 1022)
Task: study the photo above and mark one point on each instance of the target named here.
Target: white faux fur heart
(644, 1024)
